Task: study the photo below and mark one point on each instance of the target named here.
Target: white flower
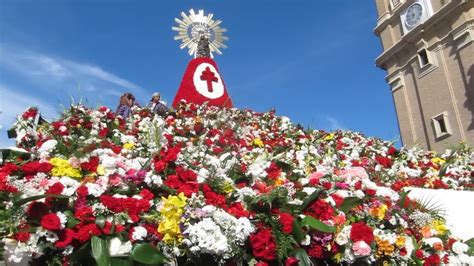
(343, 237)
(95, 189)
(202, 175)
(62, 218)
(48, 147)
(139, 233)
(432, 240)
(118, 247)
(70, 185)
(208, 238)
(460, 248)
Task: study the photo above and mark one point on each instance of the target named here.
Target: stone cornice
(410, 37)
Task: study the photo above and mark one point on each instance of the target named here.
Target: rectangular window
(441, 125)
(423, 58)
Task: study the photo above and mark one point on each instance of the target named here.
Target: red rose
(65, 238)
(261, 263)
(286, 220)
(51, 222)
(419, 254)
(291, 261)
(263, 245)
(360, 231)
(432, 260)
(36, 210)
(22, 236)
(82, 191)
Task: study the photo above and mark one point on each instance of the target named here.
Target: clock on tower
(415, 14)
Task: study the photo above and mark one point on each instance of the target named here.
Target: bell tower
(428, 53)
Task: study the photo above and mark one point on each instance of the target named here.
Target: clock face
(413, 15)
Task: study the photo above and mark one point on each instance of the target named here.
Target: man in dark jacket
(157, 106)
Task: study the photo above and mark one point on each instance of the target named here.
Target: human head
(155, 97)
(127, 99)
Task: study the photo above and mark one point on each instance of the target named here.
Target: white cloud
(63, 73)
(13, 103)
(334, 124)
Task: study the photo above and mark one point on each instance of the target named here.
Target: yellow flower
(258, 143)
(62, 167)
(100, 170)
(280, 181)
(227, 187)
(400, 241)
(171, 212)
(379, 211)
(438, 161)
(329, 137)
(129, 146)
(439, 226)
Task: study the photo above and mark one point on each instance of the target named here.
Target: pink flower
(354, 173)
(361, 248)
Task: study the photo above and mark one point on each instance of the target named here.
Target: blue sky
(311, 60)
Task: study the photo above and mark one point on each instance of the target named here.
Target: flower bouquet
(217, 186)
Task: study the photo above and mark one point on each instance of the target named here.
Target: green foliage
(145, 253)
(302, 257)
(308, 200)
(349, 203)
(26, 200)
(470, 243)
(285, 244)
(317, 225)
(100, 251)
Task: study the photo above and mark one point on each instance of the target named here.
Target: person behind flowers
(124, 109)
(157, 106)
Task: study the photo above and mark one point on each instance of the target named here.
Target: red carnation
(321, 210)
(51, 222)
(55, 189)
(273, 172)
(237, 209)
(86, 232)
(65, 238)
(361, 231)
(263, 245)
(91, 165)
(286, 221)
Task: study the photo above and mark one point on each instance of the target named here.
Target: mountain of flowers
(216, 186)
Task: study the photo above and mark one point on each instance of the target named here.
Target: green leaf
(121, 261)
(147, 254)
(302, 256)
(308, 200)
(100, 221)
(470, 243)
(297, 232)
(349, 203)
(26, 200)
(317, 225)
(100, 251)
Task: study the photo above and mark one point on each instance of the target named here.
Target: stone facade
(429, 59)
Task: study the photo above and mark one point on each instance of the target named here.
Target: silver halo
(191, 27)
